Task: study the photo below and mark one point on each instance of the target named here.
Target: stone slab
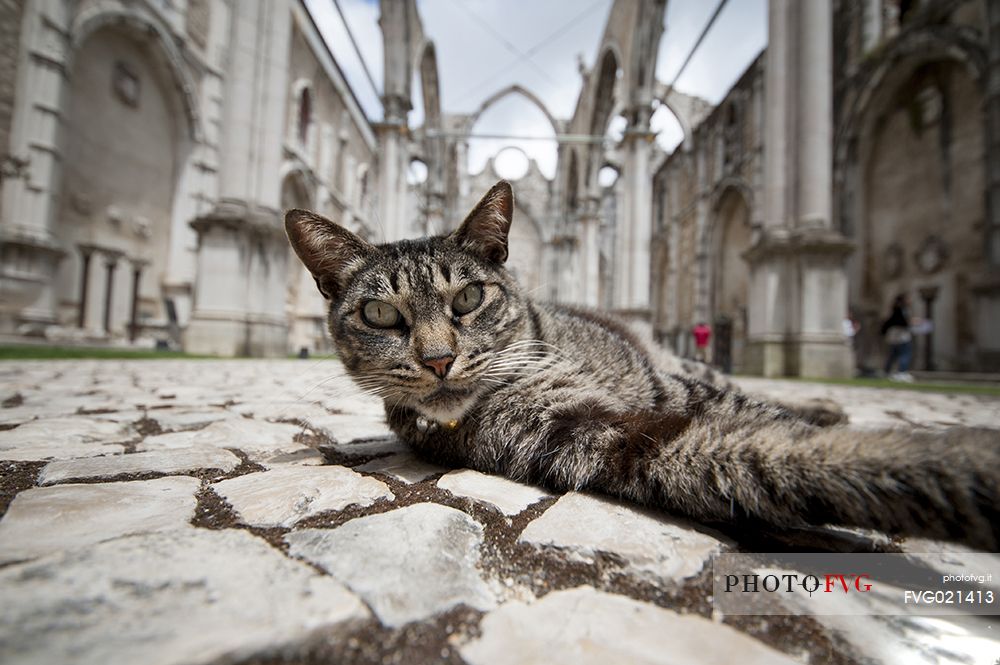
(654, 546)
(584, 626)
(63, 438)
(408, 564)
(386, 445)
(285, 495)
(186, 597)
(258, 439)
(44, 520)
(185, 419)
(405, 467)
(507, 496)
(344, 428)
(173, 461)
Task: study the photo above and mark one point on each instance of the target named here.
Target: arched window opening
(616, 128)
(666, 126)
(511, 163)
(607, 176)
(305, 115)
(416, 172)
(513, 116)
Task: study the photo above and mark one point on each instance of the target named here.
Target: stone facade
(848, 164)
(910, 172)
(163, 141)
(706, 202)
(886, 199)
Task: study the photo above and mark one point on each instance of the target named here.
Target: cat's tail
(726, 457)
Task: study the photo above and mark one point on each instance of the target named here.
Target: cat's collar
(428, 425)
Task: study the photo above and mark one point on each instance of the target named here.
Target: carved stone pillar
(133, 325)
(993, 136)
(590, 252)
(29, 252)
(239, 298)
(392, 133)
(636, 230)
(798, 276)
(86, 252)
(110, 266)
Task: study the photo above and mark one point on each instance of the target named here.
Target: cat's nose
(440, 364)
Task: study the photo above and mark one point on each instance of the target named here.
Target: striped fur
(572, 399)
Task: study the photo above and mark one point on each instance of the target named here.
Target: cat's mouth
(446, 394)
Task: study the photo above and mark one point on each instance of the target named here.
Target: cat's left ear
(484, 231)
(327, 249)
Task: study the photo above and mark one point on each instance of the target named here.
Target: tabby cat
(474, 373)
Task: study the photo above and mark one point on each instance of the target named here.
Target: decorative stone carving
(115, 216)
(142, 227)
(125, 84)
(931, 255)
(892, 261)
(81, 203)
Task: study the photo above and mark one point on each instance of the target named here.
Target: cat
(475, 374)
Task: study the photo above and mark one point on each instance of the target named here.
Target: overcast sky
(486, 45)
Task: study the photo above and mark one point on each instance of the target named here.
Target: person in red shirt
(702, 333)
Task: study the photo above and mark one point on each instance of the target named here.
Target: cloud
(481, 46)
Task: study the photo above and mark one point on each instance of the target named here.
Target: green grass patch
(921, 386)
(43, 352)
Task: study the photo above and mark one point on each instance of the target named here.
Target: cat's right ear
(327, 249)
(484, 231)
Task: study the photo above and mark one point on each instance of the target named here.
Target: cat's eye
(468, 299)
(380, 314)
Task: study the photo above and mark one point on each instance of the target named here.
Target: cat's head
(422, 323)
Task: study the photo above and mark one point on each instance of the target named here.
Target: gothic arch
(124, 151)
(728, 185)
(303, 117)
(605, 102)
(688, 109)
(573, 182)
(729, 273)
(142, 25)
(514, 90)
(924, 71)
(429, 86)
(298, 179)
(899, 58)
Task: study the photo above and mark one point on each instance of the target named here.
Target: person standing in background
(897, 334)
(702, 333)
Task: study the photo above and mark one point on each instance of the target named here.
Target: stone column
(798, 276)
(133, 323)
(635, 232)
(434, 212)
(392, 133)
(814, 115)
(986, 289)
(86, 252)
(993, 136)
(29, 253)
(779, 69)
(590, 251)
(239, 299)
(110, 265)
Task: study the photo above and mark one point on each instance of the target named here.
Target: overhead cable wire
(701, 38)
(357, 50)
(550, 38)
(503, 40)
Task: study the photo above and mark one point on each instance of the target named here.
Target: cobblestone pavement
(261, 512)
